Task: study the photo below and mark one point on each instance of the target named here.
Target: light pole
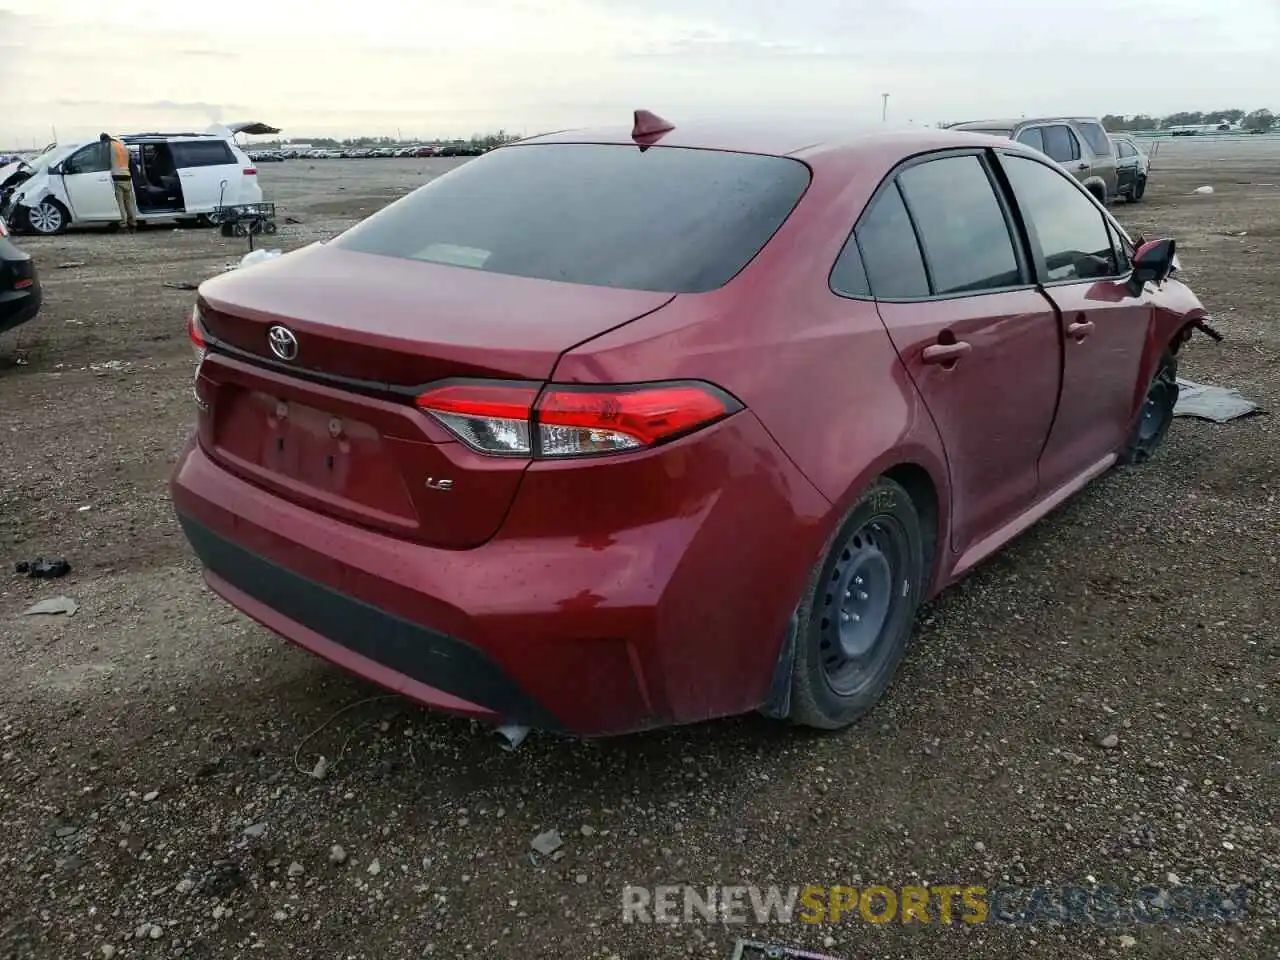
(884, 109)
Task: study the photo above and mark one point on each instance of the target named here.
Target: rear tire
(859, 609)
(1156, 414)
(1139, 189)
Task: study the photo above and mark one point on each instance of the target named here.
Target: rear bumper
(666, 619)
(17, 306)
(405, 656)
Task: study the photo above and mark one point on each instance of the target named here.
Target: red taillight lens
(23, 284)
(250, 171)
(196, 332)
(573, 421)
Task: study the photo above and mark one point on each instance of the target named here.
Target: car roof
(1010, 124)
(783, 138)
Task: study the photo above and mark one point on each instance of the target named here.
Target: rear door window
(666, 219)
(1126, 151)
(202, 153)
(1097, 138)
(1060, 143)
(895, 267)
(961, 224)
(1072, 233)
(1033, 138)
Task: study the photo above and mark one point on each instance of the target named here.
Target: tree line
(360, 143)
(1260, 120)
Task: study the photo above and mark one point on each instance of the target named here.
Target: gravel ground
(1097, 704)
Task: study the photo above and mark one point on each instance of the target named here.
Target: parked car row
(1110, 167)
(370, 153)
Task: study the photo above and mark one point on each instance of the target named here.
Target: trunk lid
(334, 428)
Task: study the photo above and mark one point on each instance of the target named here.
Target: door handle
(945, 352)
(1080, 329)
(104, 179)
(1083, 166)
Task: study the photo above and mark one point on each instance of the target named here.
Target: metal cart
(245, 220)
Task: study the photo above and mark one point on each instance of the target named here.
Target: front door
(1103, 326)
(978, 340)
(86, 178)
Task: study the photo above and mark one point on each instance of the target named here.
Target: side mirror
(56, 170)
(1153, 262)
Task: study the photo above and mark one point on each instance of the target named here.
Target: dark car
(19, 284)
(612, 429)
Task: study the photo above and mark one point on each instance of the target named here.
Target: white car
(184, 176)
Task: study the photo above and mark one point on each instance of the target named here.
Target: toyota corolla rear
(388, 472)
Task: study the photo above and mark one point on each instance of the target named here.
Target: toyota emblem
(283, 343)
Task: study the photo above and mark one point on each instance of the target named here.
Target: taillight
(23, 284)
(564, 420)
(4, 231)
(196, 332)
(250, 171)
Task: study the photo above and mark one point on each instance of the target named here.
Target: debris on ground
(42, 569)
(53, 607)
(547, 843)
(292, 220)
(513, 735)
(337, 855)
(71, 265)
(1219, 404)
(1203, 191)
(108, 366)
(181, 285)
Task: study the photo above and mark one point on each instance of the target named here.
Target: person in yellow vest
(122, 179)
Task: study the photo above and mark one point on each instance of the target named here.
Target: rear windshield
(666, 219)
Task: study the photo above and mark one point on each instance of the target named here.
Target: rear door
(1063, 146)
(209, 172)
(1103, 327)
(86, 177)
(978, 339)
(1128, 166)
(1102, 164)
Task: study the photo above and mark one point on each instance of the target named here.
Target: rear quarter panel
(818, 370)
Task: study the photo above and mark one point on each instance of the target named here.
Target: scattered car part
(54, 606)
(1206, 402)
(42, 569)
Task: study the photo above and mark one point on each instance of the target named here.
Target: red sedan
(615, 429)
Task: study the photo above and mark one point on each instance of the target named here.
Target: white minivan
(185, 176)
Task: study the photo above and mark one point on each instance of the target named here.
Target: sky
(424, 68)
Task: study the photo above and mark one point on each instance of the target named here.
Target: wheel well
(919, 486)
(1099, 192)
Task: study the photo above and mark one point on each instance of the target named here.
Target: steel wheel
(853, 625)
(864, 584)
(47, 217)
